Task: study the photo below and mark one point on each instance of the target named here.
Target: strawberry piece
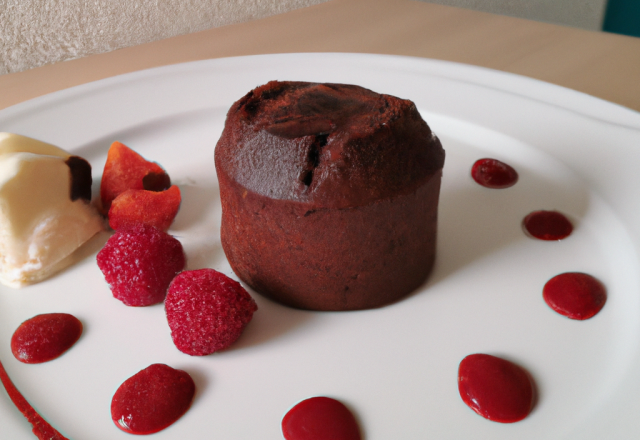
(207, 311)
(139, 262)
(156, 209)
(125, 169)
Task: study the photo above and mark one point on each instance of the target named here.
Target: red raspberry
(139, 262)
(207, 311)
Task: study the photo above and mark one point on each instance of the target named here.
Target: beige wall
(585, 14)
(38, 32)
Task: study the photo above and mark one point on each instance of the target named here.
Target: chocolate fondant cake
(329, 194)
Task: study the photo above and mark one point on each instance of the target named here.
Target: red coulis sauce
(495, 388)
(547, 225)
(320, 418)
(41, 428)
(152, 399)
(575, 295)
(493, 173)
(45, 337)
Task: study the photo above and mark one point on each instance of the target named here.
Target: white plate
(395, 367)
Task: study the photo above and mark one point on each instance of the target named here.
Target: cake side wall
(330, 259)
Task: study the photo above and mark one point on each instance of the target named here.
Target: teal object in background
(622, 17)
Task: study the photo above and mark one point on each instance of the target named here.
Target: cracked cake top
(326, 145)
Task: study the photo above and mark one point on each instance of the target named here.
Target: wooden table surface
(600, 64)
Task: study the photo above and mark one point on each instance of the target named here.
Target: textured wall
(38, 32)
(585, 14)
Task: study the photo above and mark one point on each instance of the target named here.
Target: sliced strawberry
(125, 169)
(151, 208)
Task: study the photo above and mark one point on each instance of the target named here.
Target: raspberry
(139, 262)
(207, 311)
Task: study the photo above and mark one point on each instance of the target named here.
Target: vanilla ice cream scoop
(45, 210)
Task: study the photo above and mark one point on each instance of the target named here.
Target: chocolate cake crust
(329, 194)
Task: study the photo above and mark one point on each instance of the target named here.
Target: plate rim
(603, 109)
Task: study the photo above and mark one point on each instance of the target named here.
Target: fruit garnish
(547, 225)
(139, 262)
(495, 388)
(320, 418)
(45, 337)
(157, 209)
(41, 429)
(575, 295)
(152, 399)
(125, 169)
(492, 173)
(207, 311)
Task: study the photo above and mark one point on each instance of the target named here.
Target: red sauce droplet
(493, 173)
(320, 418)
(575, 295)
(45, 337)
(152, 399)
(495, 388)
(41, 428)
(547, 225)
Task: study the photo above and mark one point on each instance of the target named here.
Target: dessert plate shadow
(395, 367)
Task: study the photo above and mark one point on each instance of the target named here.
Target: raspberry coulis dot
(547, 225)
(492, 173)
(320, 418)
(45, 337)
(575, 295)
(152, 399)
(495, 388)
